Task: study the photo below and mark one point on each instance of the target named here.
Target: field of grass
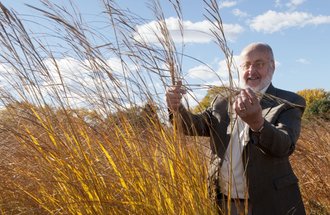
(77, 139)
(51, 164)
(64, 166)
(311, 162)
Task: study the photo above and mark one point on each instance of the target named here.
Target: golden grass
(71, 168)
(311, 162)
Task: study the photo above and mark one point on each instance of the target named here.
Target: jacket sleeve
(193, 124)
(281, 129)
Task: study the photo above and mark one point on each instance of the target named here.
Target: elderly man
(250, 140)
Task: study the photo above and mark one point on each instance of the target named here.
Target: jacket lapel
(267, 103)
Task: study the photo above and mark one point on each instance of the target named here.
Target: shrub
(316, 102)
(312, 95)
(320, 108)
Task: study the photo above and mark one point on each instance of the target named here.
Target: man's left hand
(248, 108)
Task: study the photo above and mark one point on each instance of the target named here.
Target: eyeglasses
(257, 65)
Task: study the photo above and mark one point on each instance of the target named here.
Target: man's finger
(179, 88)
(250, 95)
(178, 84)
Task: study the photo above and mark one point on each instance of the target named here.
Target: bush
(317, 102)
(320, 108)
(312, 95)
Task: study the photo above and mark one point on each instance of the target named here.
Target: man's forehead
(257, 47)
(255, 54)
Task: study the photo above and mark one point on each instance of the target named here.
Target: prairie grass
(74, 139)
(311, 162)
(68, 167)
(92, 137)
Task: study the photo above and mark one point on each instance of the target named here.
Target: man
(250, 140)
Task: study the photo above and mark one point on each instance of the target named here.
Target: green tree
(317, 103)
(320, 108)
(210, 95)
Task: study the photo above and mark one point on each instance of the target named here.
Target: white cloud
(232, 31)
(79, 79)
(223, 69)
(6, 73)
(224, 4)
(303, 61)
(201, 72)
(273, 21)
(239, 13)
(317, 20)
(191, 99)
(117, 66)
(278, 3)
(194, 32)
(70, 71)
(210, 77)
(294, 3)
(220, 74)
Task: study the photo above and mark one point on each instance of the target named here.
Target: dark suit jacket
(273, 186)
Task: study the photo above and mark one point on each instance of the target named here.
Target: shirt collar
(263, 90)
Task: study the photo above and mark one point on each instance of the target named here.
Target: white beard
(261, 86)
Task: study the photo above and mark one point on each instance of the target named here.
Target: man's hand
(174, 95)
(248, 108)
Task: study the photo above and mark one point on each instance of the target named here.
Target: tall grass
(74, 140)
(311, 162)
(69, 167)
(79, 139)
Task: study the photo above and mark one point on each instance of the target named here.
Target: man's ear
(273, 64)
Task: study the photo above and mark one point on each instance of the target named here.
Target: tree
(312, 95)
(317, 103)
(320, 108)
(210, 95)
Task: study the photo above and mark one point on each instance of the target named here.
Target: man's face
(257, 68)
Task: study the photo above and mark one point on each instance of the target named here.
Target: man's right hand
(174, 95)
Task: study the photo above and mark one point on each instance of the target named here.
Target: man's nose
(252, 69)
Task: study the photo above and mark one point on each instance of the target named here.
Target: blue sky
(298, 31)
